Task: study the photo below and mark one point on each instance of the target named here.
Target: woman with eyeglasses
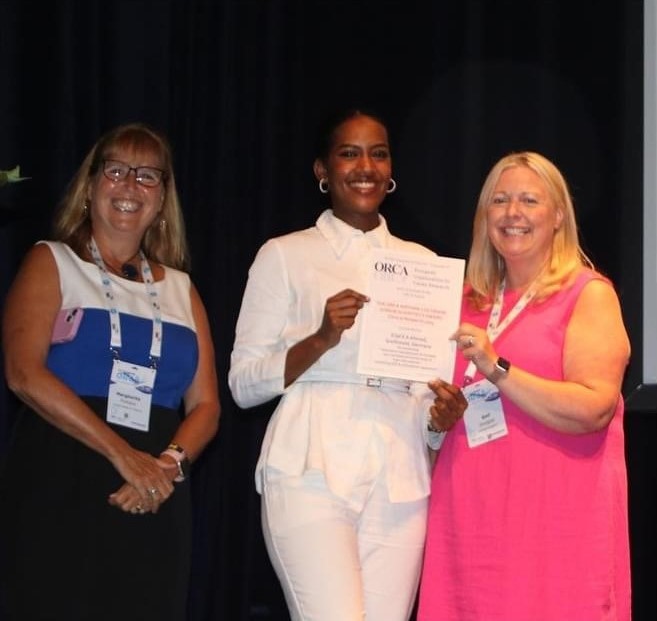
(107, 344)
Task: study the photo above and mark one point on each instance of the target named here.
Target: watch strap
(502, 366)
(176, 452)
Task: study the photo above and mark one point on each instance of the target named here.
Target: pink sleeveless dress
(532, 526)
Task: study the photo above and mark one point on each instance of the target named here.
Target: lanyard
(115, 323)
(495, 328)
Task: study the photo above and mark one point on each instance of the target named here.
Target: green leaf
(11, 176)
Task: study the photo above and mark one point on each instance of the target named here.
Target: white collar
(339, 234)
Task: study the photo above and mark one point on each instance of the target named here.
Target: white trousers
(337, 563)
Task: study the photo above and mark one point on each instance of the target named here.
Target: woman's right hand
(340, 314)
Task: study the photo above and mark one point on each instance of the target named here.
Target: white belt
(381, 383)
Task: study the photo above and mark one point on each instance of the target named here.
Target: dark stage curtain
(239, 86)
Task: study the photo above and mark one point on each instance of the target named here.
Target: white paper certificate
(414, 307)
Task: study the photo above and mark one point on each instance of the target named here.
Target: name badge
(130, 391)
(484, 416)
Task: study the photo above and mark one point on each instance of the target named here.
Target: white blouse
(325, 420)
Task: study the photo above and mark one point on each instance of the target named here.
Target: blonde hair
(165, 240)
(485, 270)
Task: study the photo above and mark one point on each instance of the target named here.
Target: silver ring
(152, 491)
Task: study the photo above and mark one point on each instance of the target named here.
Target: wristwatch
(182, 461)
(502, 366)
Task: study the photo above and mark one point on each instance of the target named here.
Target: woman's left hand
(127, 499)
(448, 406)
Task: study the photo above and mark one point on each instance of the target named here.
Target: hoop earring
(392, 187)
(323, 185)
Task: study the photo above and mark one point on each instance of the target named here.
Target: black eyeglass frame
(138, 177)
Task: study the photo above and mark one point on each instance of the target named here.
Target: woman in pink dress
(528, 516)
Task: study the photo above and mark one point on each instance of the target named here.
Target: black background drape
(239, 86)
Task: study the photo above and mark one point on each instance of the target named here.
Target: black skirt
(67, 554)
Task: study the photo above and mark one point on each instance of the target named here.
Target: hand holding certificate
(415, 306)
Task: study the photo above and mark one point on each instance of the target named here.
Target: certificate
(414, 307)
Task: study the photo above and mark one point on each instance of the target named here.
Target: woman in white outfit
(344, 469)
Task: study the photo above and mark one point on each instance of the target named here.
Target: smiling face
(358, 170)
(124, 207)
(521, 222)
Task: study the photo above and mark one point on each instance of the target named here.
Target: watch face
(503, 364)
(185, 466)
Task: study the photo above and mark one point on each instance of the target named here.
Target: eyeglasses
(147, 176)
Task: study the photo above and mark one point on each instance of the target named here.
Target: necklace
(127, 269)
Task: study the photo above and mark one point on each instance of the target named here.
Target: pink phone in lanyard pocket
(66, 325)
